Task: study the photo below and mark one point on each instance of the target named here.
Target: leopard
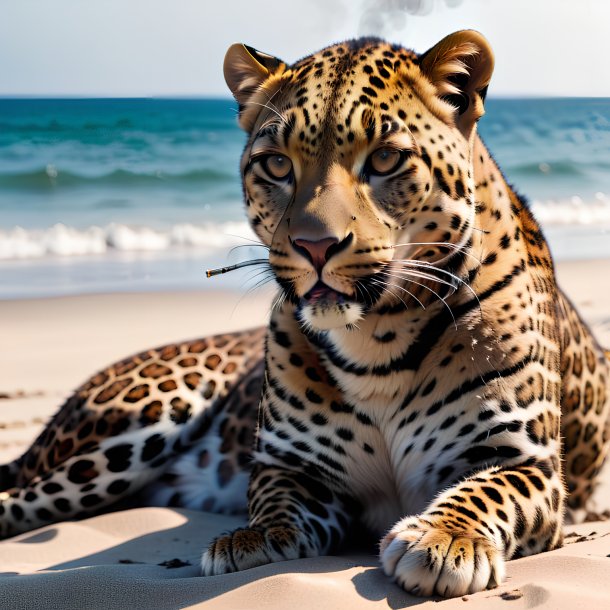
(422, 379)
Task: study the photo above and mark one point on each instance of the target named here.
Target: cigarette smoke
(382, 17)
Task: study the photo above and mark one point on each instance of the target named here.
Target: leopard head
(357, 172)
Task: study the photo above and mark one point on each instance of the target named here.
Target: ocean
(105, 195)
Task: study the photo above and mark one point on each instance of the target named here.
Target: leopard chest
(408, 456)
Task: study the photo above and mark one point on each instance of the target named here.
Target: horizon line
(220, 97)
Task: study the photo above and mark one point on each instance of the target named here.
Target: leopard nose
(318, 252)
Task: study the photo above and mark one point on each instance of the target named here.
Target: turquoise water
(136, 194)
(83, 162)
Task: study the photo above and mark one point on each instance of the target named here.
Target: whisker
(259, 284)
(256, 242)
(431, 267)
(243, 246)
(404, 290)
(281, 117)
(388, 287)
(424, 276)
(427, 276)
(363, 290)
(438, 296)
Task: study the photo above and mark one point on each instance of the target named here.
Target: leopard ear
(246, 70)
(460, 67)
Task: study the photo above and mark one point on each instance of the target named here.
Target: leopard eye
(279, 167)
(384, 161)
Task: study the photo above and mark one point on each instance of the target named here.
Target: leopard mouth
(324, 295)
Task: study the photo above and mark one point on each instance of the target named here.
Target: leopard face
(356, 174)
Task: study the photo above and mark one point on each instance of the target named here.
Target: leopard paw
(251, 547)
(426, 559)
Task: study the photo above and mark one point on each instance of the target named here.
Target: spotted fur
(422, 374)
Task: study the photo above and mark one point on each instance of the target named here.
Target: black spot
(62, 505)
(319, 419)
(377, 82)
(81, 472)
(345, 434)
(44, 514)
(429, 388)
(17, 512)
(118, 487)
(448, 422)
(281, 338)
(536, 482)
(30, 496)
(312, 373)
(519, 484)
(478, 503)
(464, 430)
(101, 427)
(90, 500)
(85, 431)
(459, 188)
(466, 511)
(313, 396)
(301, 446)
(119, 457)
(329, 462)
(296, 360)
(364, 419)
(492, 494)
(52, 488)
(225, 472)
(440, 179)
(480, 453)
(153, 446)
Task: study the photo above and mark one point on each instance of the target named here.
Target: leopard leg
(84, 484)
(459, 544)
(292, 515)
(122, 429)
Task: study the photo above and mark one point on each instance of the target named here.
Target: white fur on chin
(318, 316)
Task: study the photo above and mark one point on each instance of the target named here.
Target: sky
(133, 48)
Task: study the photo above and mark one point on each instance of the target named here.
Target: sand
(126, 559)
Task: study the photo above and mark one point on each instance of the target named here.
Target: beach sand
(113, 561)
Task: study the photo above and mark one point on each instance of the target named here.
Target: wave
(61, 240)
(50, 177)
(65, 241)
(573, 211)
(557, 168)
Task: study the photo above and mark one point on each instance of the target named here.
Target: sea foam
(65, 241)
